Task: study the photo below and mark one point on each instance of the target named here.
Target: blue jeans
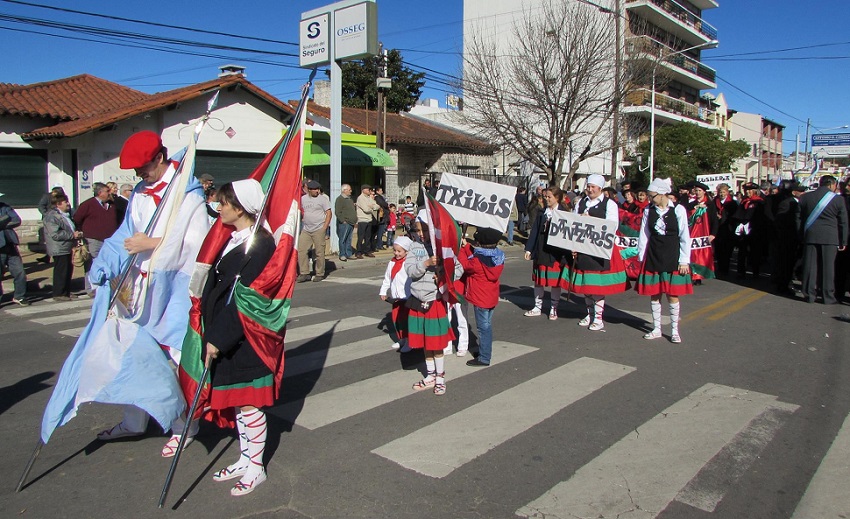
(344, 232)
(390, 237)
(483, 321)
(510, 232)
(10, 260)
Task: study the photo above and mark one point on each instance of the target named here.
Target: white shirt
(611, 211)
(237, 238)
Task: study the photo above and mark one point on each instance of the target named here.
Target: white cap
(660, 186)
(596, 180)
(403, 241)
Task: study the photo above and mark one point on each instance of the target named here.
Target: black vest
(583, 261)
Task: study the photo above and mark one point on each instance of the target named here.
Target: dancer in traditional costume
(428, 324)
(396, 289)
(547, 260)
(241, 382)
(664, 249)
(596, 277)
(702, 224)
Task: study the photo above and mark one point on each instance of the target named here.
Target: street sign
(824, 144)
(315, 41)
(356, 31)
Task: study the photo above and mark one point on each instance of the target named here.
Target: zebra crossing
(693, 452)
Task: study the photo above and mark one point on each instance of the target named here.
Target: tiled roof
(66, 99)
(413, 131)
(147, 103)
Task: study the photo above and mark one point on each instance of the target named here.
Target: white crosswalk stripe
(486, 422)
(374, 281)
(49, 306)
(300, 364)
(646, 470)
(344, 402)
(827, 496)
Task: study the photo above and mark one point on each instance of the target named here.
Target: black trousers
(364, 237)
(62, 272)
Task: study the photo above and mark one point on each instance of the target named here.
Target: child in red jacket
(482, 266)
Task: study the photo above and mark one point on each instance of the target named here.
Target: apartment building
(764, 162)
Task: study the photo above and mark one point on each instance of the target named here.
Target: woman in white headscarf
(239, 379)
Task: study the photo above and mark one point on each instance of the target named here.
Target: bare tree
(549, 87)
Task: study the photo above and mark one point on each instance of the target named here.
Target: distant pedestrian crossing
(693, 453)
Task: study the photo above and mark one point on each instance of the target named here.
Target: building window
(23, 176)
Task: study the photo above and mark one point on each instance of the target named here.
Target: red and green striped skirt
(258, 393)
(544, 276)
(431, 329)
(670, 283)
(400, 314)
(597, 283)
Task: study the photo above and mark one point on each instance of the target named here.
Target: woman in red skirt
(664, 249)
(428, 326)
(240, 381)
(547, 259)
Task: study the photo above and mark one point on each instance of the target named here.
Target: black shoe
(343, 258)
(302, 278)
(475, 363)
(370, 255)
(43, 259)
(358, 256)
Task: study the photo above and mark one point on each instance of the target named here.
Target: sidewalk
(39, 277)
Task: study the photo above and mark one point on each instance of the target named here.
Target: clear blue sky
(806, 83)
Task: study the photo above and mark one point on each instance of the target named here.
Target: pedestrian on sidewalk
(96, 219)
(346, 219)
(664, 249)
(367, 210)
(316, 207)
(61, 235)
(10, 256)
(395, 290)
(482, 267)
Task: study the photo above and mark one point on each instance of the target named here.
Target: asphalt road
(744, 419)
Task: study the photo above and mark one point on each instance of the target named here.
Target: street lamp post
(707, 45)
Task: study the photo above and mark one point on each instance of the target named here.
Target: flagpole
(302, 107)
(126, 271)
(181, 444)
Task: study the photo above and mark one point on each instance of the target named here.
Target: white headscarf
(596, 180)
(404, 242)
(249, 192)
(660, 186)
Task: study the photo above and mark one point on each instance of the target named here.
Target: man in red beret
(152, 308)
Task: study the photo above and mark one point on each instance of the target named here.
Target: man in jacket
(823, 224)
(366, 209)
(346, 219)
(97, 220)
(10, 257)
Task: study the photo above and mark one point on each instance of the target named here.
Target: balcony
(682, 68)
(672, 17)
(667, 109)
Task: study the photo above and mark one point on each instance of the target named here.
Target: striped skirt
(431, 329)
(544, 276)
(258, 393)
(597, 283)
(399, 315)
(670, 283)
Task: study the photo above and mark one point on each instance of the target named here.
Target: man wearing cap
(750, 228)
(97, 220)
(152, 307)
(366, 209)
(207, 181)
(824, 226)
(316, 207)
(10, 257)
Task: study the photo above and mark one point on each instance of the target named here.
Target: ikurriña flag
(445, 238)
(264, 305)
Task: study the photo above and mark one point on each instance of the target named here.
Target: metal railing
(685, 16)
(655, 48)
(643, 97)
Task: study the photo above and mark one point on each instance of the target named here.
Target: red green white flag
(264, 305)
(446, 236)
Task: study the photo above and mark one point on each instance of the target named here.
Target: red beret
(139, 149)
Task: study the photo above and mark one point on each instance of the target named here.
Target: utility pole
(383, 83)
(806, 143)
(615, 144)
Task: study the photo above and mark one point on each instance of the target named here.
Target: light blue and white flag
(121, 358)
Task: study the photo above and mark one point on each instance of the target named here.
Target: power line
(789, 49)
(759, 100)
(154, 24)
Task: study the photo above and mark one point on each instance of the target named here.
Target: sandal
(440, 389)
(241, 488)
(553, 315)
(426, 382)
(654, 334)
(170, 447)
(534, 312)
(586, 321)
(230, 472)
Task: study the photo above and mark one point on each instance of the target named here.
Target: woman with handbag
(61, 236)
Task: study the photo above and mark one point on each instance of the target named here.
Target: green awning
(319, 155)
